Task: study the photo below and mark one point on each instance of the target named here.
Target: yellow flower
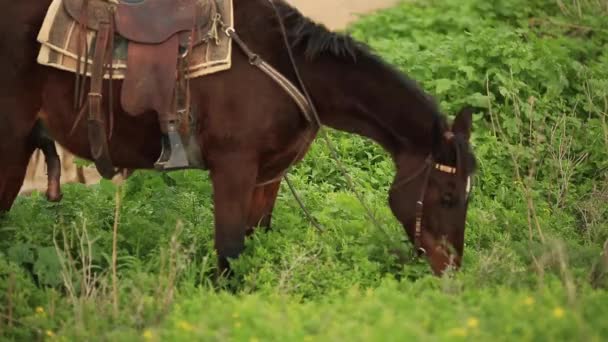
(185, 326)
(558, 312)
(148, 334)
(39, 310)
(459, 332)
(237, 325)
(473, 322)
(235, 315)
(49, 333)
(529, 301)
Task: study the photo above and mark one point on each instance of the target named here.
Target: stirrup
(173, 155)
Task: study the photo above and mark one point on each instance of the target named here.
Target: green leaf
(479, 100)
(443, 85)
(468, 70)
(21, 253)
(48, 267)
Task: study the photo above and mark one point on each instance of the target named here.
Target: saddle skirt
(60, 32)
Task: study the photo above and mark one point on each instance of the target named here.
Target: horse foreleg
(262, 204)
(233, 179)
(53, 163)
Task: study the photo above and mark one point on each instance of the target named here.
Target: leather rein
(308, 110)
(282, 81)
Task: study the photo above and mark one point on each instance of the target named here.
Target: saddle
(159, 34)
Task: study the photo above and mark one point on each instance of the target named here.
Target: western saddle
(160, 34)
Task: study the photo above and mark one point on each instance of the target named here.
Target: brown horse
(250, 130)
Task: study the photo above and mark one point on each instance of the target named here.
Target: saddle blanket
(59, 45)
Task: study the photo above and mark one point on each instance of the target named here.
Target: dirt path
(335, 14)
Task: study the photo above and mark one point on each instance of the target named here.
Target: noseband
(426, 168)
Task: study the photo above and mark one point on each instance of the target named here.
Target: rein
(317, 120)
(304, 101)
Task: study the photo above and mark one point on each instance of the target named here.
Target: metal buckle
(228, 31)
(254, 60)
(445, 169)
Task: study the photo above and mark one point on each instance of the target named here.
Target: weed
(136, 261)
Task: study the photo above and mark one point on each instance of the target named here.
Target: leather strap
(97, 129)
(150, 79)
(420, 209)
(426, 169)
(282, 81)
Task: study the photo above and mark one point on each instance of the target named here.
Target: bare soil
(337, 14)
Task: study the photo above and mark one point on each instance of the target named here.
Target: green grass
(535, 266)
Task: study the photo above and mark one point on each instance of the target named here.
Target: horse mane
(316, 40)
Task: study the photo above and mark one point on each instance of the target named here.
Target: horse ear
(463, 122)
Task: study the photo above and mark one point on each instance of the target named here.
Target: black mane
(315, 40)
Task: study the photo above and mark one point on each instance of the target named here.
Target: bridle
(303, 100)
(425, 170)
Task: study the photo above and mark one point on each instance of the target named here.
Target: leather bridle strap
(420, 209)
(427, 165)
(425, 169)
(260, 63)
(97, 127)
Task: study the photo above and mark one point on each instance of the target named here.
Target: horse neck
(370, 99)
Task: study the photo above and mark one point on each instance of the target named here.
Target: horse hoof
(54, 197)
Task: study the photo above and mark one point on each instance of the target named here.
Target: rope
(324, 135)
(306, 212)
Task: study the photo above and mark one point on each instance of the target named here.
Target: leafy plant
(535, 267)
